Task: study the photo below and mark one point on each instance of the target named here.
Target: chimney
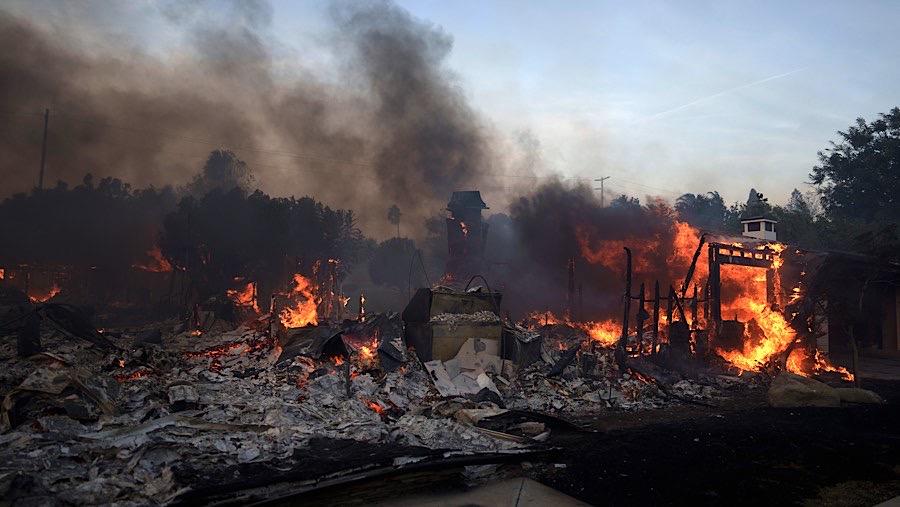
(755, 224)
(466, 233)
(759, 228)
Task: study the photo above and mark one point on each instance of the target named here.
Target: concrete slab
(520, 492)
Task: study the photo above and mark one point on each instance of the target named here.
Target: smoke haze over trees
(226, 123)
(390, 124)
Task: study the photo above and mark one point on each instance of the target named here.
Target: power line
(601, 180)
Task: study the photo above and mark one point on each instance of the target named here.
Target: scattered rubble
(87, 422)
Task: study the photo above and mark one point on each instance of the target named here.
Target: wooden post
(655, 318)
(640, 321)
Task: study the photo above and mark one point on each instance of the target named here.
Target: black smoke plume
(390, 125)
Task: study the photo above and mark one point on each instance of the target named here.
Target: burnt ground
(740, 453)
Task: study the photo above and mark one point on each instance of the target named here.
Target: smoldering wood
(655, 318)
(317, 342)
(642, 316)
(676, 303)
(662, 378)
(626, 300)
(690, 273)
(75, 322)
(565, 359)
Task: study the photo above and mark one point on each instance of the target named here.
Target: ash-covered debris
(453, 318)
(88, 424)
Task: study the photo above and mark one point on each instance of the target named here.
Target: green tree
(704, 211)
(859, 176)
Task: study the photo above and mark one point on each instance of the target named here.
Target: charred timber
(565, 359)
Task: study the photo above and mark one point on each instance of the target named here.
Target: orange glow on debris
(245, 297)
(132, 376)
(41, 296)
(374, 407)
(604, 332)
(367, 352)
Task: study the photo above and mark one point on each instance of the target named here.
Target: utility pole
(43, 150)
(601, 180)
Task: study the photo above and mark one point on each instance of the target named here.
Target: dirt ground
(739, 453)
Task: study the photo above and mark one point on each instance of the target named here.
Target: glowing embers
(42, 295)
(303, 309)
(215, 354)
(134, 375)
(374, 406)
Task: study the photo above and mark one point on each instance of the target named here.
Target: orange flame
(244, 297)
(156, 262)
(373, 406)
(137, 374)
(776, 337)
(604, 332)
(746, 291)
(804, 363)
(367, 352)
(305, 310)
(39, 296)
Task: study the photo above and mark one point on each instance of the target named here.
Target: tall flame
(745, 291)
(304, 311)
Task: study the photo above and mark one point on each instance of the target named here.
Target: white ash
(456, 318)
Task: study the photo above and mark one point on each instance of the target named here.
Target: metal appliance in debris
(434, 332)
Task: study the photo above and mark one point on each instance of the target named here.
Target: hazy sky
(663, 97)
(675, 97)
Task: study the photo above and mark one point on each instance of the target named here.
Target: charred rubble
(152, 414)
(244, 389)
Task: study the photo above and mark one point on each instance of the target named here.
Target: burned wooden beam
(655, 318)
(690, 273)
(565, 359)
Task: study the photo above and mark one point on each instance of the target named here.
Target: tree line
(219, 227)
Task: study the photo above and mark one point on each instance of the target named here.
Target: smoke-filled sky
(367, 104)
